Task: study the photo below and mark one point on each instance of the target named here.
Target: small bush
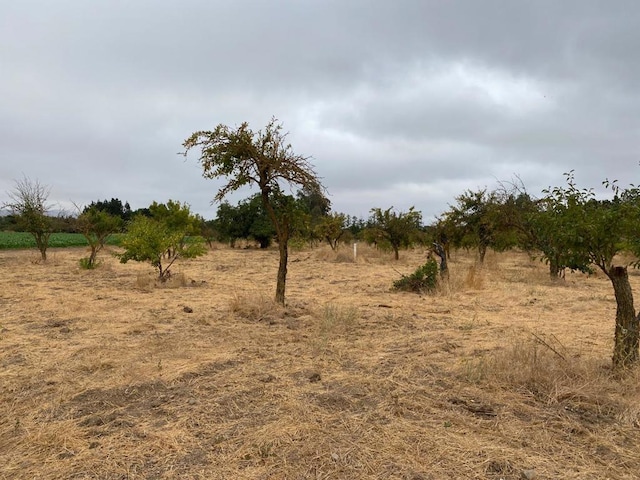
(424, 279)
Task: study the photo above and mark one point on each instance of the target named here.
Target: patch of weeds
(475, 370)
(424, 279)
(338, 318)
(86, 264)
(335, 320)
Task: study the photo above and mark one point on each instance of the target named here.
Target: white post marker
(355, 251)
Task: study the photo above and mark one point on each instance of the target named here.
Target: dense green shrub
(424, 279)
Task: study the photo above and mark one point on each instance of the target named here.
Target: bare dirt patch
(501, 374)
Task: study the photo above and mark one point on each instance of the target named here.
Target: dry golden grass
(501, 373)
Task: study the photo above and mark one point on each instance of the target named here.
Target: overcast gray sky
(403, 102)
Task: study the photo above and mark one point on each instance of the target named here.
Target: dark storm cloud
(399, 103)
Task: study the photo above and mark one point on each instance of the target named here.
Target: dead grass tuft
(145, 281)
(175, 280)
(541, 368)
(474, 278)
(256, 307)
(341, 255)
(338, 319)
(344, 257)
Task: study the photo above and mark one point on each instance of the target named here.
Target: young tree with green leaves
(263, 159)
(169, 234)
(394, 230)
(332, 228)
(469, 223)
(28, 202)
(96, 226)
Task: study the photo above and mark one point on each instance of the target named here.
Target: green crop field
(26, 240)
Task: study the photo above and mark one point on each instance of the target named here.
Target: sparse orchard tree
(96, 226)
(264, 159)
(169, 234)
(477, 221)
(539, 226)
(593, 233)
(332, 228)
(177, 218)
(394, 230)
(28, 203)
(548, 230)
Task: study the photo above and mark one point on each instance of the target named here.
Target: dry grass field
(501, 374)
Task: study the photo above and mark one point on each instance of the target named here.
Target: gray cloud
(399, 103)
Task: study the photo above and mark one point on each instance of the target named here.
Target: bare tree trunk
(281, 224)
(283, 247)
(442, 253)
(555, 270)
(93, 255)
(42, 242)
(626, 340)
(482, 251)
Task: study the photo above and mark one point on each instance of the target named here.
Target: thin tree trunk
(42, 242)
(281, 224)
(283, 247)
(626, 340)
(482, 251)
(93, 255)
(442, 253)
